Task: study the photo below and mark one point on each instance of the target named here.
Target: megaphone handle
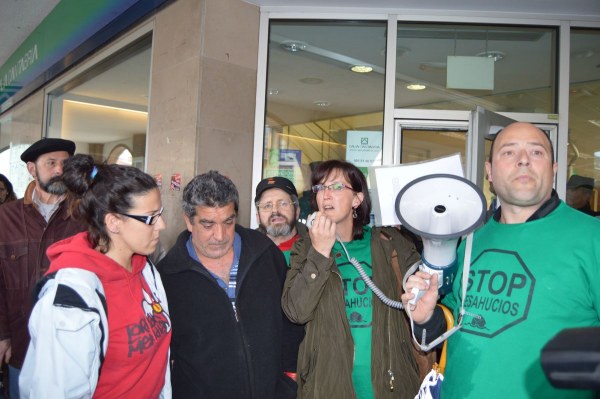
(417, 293)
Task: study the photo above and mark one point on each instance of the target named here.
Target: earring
(354, 214)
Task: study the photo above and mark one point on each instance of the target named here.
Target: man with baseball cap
(277, 212)
(579, 193)
(29, 226)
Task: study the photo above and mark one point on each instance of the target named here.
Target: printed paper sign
(363, 148)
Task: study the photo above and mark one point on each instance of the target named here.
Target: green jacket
(313, 294)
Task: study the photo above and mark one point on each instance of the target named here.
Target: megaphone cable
(389, 302)
(465, 278)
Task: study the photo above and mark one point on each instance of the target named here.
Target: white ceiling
(18, 18)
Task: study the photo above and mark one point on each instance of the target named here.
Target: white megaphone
(440, 208)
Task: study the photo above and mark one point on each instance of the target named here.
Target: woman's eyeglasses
(333, 187)
(149, 220)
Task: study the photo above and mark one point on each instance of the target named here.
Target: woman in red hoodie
(100, 327)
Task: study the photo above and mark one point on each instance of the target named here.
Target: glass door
(468, 133)
(483, 126)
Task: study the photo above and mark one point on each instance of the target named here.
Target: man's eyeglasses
(268, 207)
(149, 220)
(333, 187)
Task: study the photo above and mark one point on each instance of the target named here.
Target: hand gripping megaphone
(440, 208)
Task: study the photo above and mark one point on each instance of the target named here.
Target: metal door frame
(465, 120)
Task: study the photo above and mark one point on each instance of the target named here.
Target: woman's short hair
(359, 184)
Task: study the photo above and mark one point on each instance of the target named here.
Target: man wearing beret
(277, 211)
(29, 226)
(579, 193)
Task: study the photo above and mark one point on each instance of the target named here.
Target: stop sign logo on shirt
(499, 293)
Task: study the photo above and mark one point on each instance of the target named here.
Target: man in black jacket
(223, 284)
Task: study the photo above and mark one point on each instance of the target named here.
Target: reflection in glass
(583, 151)
(502, 68)
(19, 128)
(106, 108)
(423, 145)
(317, 108)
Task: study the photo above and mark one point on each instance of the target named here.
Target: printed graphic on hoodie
(156, 323)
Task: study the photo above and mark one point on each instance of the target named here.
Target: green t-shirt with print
(358, 298)
(527, 282)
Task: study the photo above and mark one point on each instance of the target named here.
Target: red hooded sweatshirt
(139, 328)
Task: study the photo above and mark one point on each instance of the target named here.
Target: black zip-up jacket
(214, 355)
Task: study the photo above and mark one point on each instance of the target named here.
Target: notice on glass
(364, 148)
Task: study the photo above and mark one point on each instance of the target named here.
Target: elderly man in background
(579, 193)
(29, 226)
(277, 211)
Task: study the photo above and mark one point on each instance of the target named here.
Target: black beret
(45, 146)
(275, 182)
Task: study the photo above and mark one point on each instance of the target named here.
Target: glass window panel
(425, 144)
(20, 127)
(583, 150)
(105, 110)
(508, 69)
(317, 108)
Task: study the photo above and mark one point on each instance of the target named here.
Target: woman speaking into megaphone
(355, 344)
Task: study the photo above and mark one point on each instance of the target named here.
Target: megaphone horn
(440, 208)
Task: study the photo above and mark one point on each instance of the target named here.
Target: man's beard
(280, 230)
(54, 186)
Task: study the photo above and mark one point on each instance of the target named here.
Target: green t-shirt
(358, 298)
(527, 282)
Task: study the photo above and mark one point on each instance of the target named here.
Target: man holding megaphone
(533, 271)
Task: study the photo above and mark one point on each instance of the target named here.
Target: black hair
(10, 193)
(210, 189)
(97, 190)
(359, 185)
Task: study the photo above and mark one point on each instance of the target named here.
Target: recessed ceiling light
(322, 103)
(361, 68)
(293, 46)
(496, 55)
(416, 86)
(273, 91)
(311, 81)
